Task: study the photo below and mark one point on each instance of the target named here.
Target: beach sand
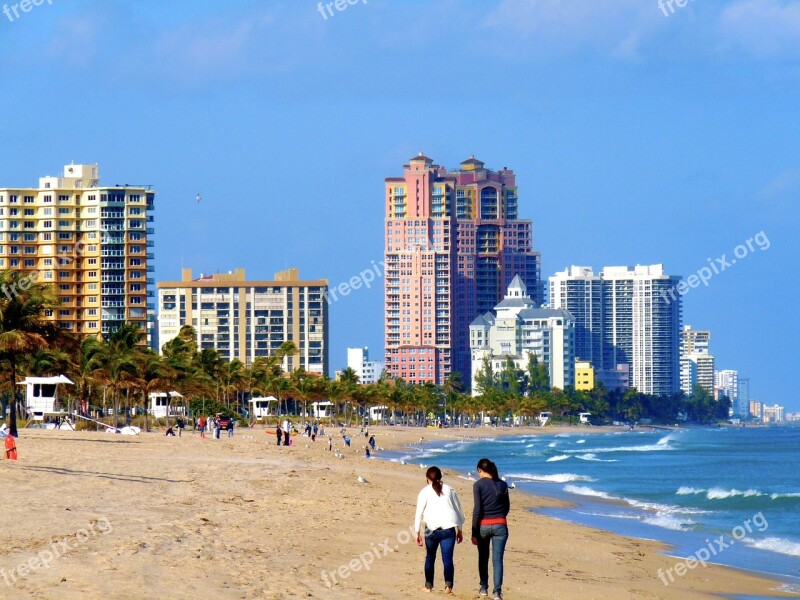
(150, 516)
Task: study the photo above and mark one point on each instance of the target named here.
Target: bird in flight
(198, 197)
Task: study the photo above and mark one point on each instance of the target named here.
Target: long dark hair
(489, 467)
(434, 475)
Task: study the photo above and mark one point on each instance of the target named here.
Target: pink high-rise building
(453, 244)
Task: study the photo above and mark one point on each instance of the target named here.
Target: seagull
(402, 462)
(198, 197)
(362, 480)
(512, 486)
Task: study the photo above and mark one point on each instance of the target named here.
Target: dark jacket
(491, 501)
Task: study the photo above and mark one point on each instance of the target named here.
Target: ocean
(731, 493)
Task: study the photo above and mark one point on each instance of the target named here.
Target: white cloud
(566, 26)
(767, 29)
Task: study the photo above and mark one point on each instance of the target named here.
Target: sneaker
(498, 596)
(484, 591)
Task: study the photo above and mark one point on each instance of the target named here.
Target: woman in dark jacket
(489, 525)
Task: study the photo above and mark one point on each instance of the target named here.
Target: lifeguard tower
(264, 407)
(321, 410)
(41, 396)
(160, 402)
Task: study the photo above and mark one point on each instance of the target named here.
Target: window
(63, 198)
(29, 200)
(136, 262)
(136, 287)
(29, 212)
(64, 211)
(30, 263)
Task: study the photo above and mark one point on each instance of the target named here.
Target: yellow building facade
(91, 243)
(584, 376)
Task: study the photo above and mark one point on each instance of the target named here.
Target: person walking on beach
(286, 431)
(278, 433)
(230, 427)
(180, 425)
(489, 524)
(439, 509)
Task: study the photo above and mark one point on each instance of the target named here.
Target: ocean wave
(722, 494)
(776, 545)
(558, 458)
(669, 521)
(643, 448)
(786, 495)
(557, 478)
(591, 456)
(552, 444)
(688, 491)
(582, 490)
(658, 509)
(581, 442)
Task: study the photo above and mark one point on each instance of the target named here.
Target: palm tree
(451, 387)
(23, 326)
(116, 362)
(154, 374)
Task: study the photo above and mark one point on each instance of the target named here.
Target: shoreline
(544, 502)
(243, 518)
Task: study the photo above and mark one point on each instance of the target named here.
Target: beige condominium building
(91, 243)
(247, 319)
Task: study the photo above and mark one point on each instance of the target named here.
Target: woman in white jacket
(439, 509)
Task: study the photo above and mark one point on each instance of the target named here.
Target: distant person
(346, 439)
(315, 429)
(366, 451)
(170, 432)
(489, 524)
(180, 425)
(230, 428)
(330, 444)
(287, 428)
(278, 434)
(201, 423)
(439, 509)
(372, 441)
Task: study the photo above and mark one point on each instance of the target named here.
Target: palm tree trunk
(12, 426)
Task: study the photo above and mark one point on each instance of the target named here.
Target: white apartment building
(622, 318)
(517, 329)
(641, 328)
(368, 371)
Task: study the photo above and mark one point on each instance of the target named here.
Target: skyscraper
(697, 363)
(579, 291)
(453, 243)
(90, 242)
(622, 319)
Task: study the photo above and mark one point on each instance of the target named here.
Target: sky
(638, 135)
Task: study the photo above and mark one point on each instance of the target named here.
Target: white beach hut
(41, 396)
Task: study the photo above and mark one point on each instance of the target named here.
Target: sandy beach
(148, 516)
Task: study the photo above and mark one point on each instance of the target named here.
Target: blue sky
(636, 138)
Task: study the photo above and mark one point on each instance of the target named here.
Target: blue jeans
(497, 536)
(446, 538)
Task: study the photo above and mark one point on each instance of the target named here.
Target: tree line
(120, 372)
